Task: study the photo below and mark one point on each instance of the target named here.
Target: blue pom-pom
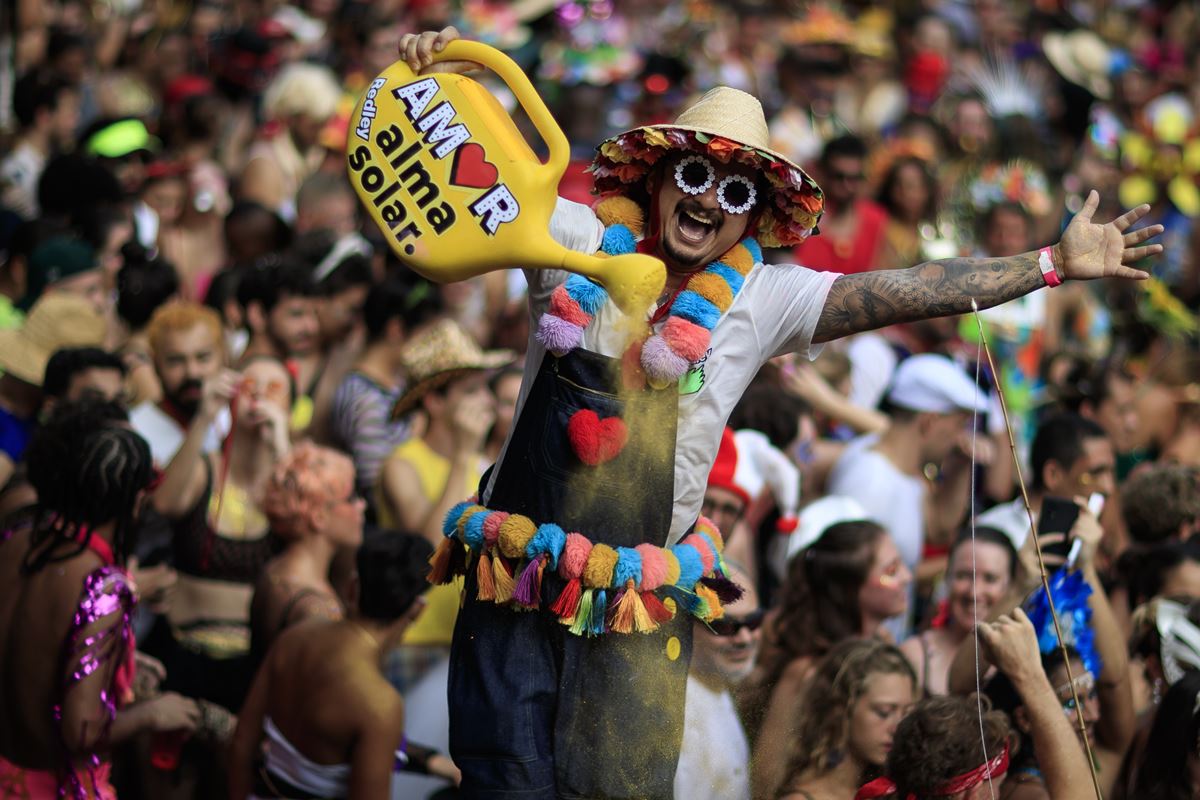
(450, 522)
(590, 295)
(473, 530)
(629, 567)
(618, 240)
(549, 540)
(731, 275)
(691, 567)
(695, 308)
(753, 247)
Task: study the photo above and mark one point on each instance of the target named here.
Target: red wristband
(1046, 265)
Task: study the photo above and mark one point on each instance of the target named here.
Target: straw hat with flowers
(439, 355)
(56, 321)
(727, 125)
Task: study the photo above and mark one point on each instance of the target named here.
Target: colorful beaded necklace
(665, 356)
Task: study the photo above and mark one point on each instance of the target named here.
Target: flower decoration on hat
(1162, 156)
(726, 125)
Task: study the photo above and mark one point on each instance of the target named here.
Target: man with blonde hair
(186, 345)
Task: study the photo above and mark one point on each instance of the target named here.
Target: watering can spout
(456, 190)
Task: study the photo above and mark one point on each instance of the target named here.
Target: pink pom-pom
(654, 567)
(491, 527)
(660, 363)
(563, 306)
(686, 338)
(574, 556)
(707, 556)
(557, 335)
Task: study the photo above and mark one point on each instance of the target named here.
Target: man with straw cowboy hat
(57, 320)
(589, 522)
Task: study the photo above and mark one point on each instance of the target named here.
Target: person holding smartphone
(1106, 698)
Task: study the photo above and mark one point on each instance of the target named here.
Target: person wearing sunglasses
(714, 762)
(704, 194)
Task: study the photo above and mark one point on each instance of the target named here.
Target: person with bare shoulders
(66, 599)
(848, 721)
(326, 720)
(846, 584)
(982, 566)
(310, 503)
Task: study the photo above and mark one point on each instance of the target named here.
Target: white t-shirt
(775, 312)
(165, 435)
(891, 498)
(714, 761)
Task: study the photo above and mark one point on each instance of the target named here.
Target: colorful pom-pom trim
(685, 336)
(619, 589)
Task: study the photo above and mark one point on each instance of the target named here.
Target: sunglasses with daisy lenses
(728, 626)
(695, 175)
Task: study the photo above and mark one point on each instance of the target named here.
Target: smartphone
(1058, 516)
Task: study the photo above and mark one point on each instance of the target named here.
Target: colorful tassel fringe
(619, 589)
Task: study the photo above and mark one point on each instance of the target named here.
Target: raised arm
(1088, 250)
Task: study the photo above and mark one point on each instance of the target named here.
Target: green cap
(120, 139)
(55, 260)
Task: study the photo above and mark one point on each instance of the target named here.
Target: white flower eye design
(737, 194)
(694, 175)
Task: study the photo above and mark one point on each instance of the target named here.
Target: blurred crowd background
(177, 171)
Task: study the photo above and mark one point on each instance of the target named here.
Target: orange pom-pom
(740, 259)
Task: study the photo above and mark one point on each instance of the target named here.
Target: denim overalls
(536, 711)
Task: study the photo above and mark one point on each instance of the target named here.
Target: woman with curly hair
(843, 586)
(311, 505)
(852, 706)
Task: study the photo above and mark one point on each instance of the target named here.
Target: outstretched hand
(1093, 250)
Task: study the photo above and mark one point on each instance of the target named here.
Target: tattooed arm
(1088, 250)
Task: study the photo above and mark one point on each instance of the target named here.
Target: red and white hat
(747, 461)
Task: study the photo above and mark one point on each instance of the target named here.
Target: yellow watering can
(455, 188)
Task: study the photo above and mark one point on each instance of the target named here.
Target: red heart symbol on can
(596, 440)
(471, 168)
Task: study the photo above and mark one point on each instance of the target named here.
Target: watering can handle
(511, 74)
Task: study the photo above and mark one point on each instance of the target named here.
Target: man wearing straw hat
(56, 321)
(591, 516)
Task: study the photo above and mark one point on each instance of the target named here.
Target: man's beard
(186, 405)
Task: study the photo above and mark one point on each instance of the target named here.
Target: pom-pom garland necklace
(685, 336)
(607, 588)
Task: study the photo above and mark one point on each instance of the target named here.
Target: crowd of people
(233, 423)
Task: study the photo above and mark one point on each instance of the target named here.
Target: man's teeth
(699, 219)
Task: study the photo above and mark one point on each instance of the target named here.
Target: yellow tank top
(435, 625)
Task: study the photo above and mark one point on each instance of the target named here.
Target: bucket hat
(56, 321)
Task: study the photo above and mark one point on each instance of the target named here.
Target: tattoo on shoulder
(870, 300)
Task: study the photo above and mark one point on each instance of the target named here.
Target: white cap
(819, 516)
(934, 384)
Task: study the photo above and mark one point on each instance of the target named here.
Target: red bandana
(884, 787)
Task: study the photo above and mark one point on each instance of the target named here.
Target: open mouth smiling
(694, 227)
